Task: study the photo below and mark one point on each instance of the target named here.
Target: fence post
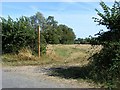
(39, 41)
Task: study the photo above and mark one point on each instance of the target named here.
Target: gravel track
(36, 77)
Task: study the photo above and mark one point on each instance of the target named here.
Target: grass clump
(25, 54)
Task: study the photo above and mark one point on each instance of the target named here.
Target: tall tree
(38, 18)
(51, 21)
(50, 33)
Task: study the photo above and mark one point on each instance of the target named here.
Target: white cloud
(34, 8)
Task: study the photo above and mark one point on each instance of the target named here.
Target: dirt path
(37, 77)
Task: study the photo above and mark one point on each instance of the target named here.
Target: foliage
(83, 41)
(52, 32)
(89, 40)
(111, 19)
(16, 34)
(106, 64)
(66, 34)
(22, 32)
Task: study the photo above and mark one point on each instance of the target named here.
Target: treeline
(89, 40)
(22, 32)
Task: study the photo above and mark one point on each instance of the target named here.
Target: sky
(76, 15)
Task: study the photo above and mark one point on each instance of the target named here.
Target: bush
(106, 64)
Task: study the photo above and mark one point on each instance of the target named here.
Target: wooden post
(39, 41)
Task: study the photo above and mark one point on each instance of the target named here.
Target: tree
(51, 22)
(66, 34)
(111, 19)
(50, 32)
(35, 20)
(108, 59)
(56, 34)
(38, 18)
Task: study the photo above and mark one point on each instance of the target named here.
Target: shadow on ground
(71, 72)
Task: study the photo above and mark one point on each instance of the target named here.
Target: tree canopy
(22, 32)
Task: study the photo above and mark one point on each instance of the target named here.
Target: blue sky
(77, 15)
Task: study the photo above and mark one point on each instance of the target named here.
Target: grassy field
(56, 55)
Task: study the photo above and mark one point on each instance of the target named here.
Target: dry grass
(26, 54)
(72, 54)
(56, 55)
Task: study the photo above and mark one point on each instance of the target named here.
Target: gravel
(36, 77)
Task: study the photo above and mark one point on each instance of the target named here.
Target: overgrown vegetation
(22, 33)
(106, 63)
